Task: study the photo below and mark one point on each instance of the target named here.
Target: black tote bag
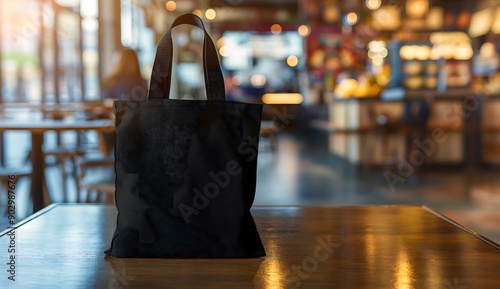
(186, 169)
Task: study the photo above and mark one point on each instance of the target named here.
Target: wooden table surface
(307, 247)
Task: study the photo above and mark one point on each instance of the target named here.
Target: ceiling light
(292, 60)
(304, 30)
(210, 14)
(351, 18)
(276, 29)
(171, 6)
(373, 4)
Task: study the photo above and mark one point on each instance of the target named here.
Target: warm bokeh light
(496, 23)
(378, 61)
(481, 22)
(282, 98)
(377, 46)
(225, 51)
(331, 14)
(372, 54)
(198, 13)
(304, 30)
(373, 4)
(346, 88)
(171, 6)
(220, 42)
(447, 37)
(451, 45)
(292, 60)
(210, 14)
(420, 52)
(463, 51)
(258, 80)
(417, 8)
(387, 17)
(423, 52)
(351, 18)
(488, 50)
(68, 3)
(276, 29)
(237, 80)
(435, 18)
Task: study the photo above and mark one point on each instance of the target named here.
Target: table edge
(28, 219)
(462, 227)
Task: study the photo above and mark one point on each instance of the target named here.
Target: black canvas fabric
(186, 169)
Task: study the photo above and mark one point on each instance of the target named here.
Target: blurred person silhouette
(125, 82)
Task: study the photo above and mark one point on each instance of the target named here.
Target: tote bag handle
(161, 76)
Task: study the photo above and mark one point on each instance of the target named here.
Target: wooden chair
(21, 172)
(63, 155)
(102, 184)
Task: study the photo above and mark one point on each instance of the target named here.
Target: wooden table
(59, 107)
(308, 247)
(37, 129)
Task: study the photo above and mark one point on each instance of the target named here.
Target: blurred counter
(466, 121)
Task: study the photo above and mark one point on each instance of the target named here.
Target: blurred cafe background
(366, 102)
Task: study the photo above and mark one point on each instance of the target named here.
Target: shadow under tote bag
(186, 169)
